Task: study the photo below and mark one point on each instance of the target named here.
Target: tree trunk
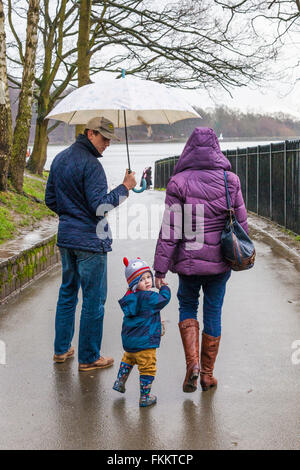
(39, 153)
(23, 120)
(5, 110)
(53, 37)
(83, 48)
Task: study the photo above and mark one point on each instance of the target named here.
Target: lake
(114, 158)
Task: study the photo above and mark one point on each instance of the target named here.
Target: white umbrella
(125, 102)
(145, 102)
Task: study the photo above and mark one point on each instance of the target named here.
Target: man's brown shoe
(63, 357)
(101, 363)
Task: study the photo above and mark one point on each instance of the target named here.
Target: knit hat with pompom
(134, 269)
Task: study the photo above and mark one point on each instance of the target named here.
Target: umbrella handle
(142, 188)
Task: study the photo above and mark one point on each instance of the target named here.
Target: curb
(19, 270)
(27, 284)
(273, 235)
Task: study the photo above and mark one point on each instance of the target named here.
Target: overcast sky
(275, 96)
(278, 98)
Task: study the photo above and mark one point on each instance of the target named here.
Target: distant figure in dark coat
(148, 177)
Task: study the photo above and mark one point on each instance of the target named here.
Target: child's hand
(159, 282)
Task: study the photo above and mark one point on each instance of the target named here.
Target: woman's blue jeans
(88, 270)
(214, 287)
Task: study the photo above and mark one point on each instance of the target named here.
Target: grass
(293, 235)
(7, 228)
(44, 177)
(18, 211)
(34, 188)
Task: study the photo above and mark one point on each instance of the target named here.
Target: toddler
(141, 329)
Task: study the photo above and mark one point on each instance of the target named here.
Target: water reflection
(200, 428)
(79, 406)
(138, 426)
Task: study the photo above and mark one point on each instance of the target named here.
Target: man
(76, 188)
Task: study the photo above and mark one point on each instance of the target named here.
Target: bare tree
(5, 110)
(56, 28)
(187, 43)
(83, 44)
(284, 14)
(23, 120)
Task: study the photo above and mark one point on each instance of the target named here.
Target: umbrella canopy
(144, 101)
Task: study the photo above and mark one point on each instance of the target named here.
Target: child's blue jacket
(141, 327)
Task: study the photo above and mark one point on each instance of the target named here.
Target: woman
(198, 178)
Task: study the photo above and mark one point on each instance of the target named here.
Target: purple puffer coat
(198, 178)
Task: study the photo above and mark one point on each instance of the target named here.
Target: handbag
(237, 248)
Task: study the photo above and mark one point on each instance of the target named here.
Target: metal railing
(269, 175)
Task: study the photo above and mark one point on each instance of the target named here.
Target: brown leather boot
(209, 351)
(189, 330)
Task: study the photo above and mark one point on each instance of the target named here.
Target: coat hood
(202, 152)
(128, 304)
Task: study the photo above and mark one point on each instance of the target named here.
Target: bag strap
(229, 207)
(227, 192)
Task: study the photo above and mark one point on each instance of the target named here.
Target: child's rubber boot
(145, 386)
(123, 374)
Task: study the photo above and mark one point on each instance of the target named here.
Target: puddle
(28, 239)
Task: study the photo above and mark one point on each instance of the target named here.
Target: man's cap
(102, 125)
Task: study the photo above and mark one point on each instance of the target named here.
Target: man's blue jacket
(141, 327)
(76, 187)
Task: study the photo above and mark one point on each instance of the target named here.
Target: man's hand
(159, 282)
(129, 180)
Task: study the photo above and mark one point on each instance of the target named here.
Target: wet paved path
(256, 404)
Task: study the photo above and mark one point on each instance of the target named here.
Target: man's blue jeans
(88, 270)
(214, 287)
